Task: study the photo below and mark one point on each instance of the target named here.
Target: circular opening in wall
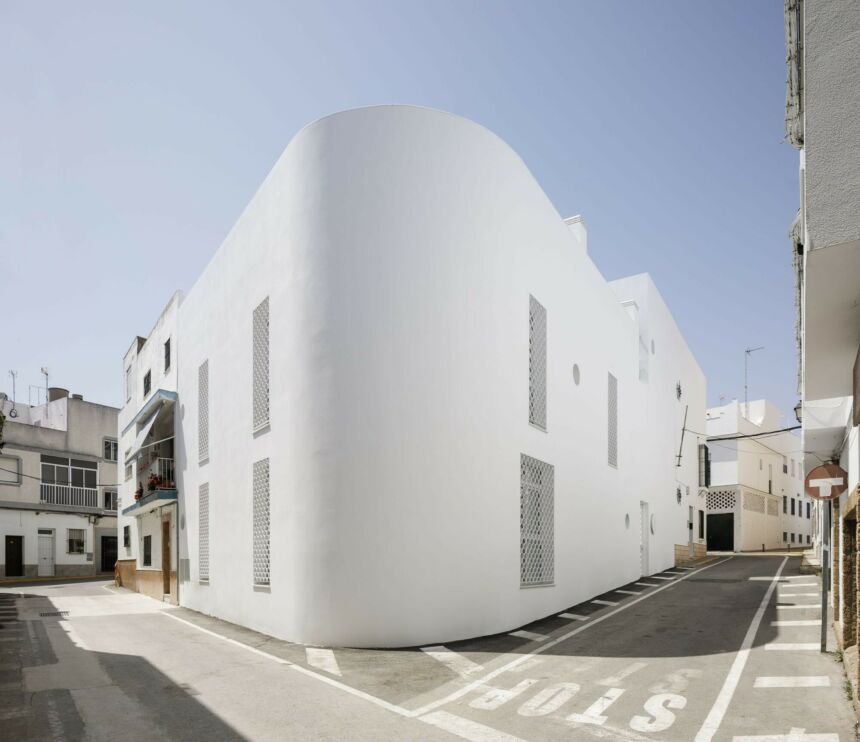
(576, 374)
(652, 347)
(627, 520)
(653, 521)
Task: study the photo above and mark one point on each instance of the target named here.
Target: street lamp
(798, 411)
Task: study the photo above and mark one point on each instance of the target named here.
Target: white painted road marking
(573, 616)
(619, 676)
(322, 659)
(768, 579)
(628, 592)
(670, 572)
(721, 705)
(530, 635)
(657, 577)
(813, 606)
(802, 584)
(788, 647)
(798, 595)
(647, 584)
(594, 713)
(604, 602)
(797, 681)
(795, 735)
(463, 666)
(466, 729)
(811, 622)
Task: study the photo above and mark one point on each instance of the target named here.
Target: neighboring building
(58, 493)
(823, 122)
(756, 499)
(403, 406)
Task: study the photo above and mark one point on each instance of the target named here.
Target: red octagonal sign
(826, 482)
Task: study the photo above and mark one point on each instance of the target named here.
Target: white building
(406, 405)
(58, 494)
(822, 122)
(756, 499)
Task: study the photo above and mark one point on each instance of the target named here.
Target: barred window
(76, 538)
(147, 551)
(203, 532)
(612, 425)
(537, 363)
(261, 522)
(203, 412)
(537, 522)
(126, 537)
(261, 364)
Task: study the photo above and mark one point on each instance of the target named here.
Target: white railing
(164, 469)
(63, 494)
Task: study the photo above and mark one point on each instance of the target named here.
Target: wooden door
(14, 556)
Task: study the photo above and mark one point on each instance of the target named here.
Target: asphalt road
(723, 652)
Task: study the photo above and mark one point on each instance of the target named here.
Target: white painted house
(756, 500)
(403, 406)
(58, 493)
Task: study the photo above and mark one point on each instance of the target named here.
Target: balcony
(159, 475)
(63, 494)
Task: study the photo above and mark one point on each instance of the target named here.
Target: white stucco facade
(397, 255)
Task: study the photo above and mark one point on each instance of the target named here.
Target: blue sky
(132, 135)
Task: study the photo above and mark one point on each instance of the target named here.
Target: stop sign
(826, 482)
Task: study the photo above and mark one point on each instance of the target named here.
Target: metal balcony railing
(63, 494)
(164, 469)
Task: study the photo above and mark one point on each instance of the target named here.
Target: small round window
(576, 374)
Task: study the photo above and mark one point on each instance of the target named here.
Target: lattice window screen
(203, 411)
(721, 500)
(772, 507)
(753, 502)
(537, 522)
(261, 364)
(612, 423)
(537, 363)
(261, 522)
(203, 531)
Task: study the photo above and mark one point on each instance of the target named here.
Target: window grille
(754, 502)
(261, 364)
(537, 522)
(203, 411)
(537, 363)
(203, 531)
(772, 507)
(721, 500)
(261, 522)
(612, 424)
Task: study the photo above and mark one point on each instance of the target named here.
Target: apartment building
(401, 405)
(58, 493)
(756, 499)
(822, 122)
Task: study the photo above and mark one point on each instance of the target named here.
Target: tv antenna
(13, 413)
(747, 353)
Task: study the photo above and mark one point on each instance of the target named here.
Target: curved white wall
(399, 247)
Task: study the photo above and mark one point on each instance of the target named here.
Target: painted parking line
(322, 659)
(782, 580)
(802, 584)
(647, 584)
(616, 679)
(461, 665)
(530, 635)
(796, 734)
(573, 616)
(721, 705)
(671, 572)
(795, 606)
(658, 577)
(792, 647)
(628, 592)
(810, 622)
(796, 681)
(466, 729)
(603, 602)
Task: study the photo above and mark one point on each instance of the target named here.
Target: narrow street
(727, 651)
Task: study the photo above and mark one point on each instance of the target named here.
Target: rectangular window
(792, 467)
(203, 531)
(147, 383)
(126, 536)
(807, 538)
(167, 355)
(770, 478)
(785, 503)
(147, 551)
(10, 470)
(612, 425)
(261, 522)
(537, 363)
(537, 522)
(110, 449)
(260, 353)
(76, 540)
(807, 510)
(792, 506)
(792, 538)
(704, 466)
(128, 384)
(109, 499)
(127, 472)
(701, 524)
(784, 465)
(203, 412)
(784, 536)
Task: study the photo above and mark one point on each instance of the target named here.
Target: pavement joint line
(795, 681)
(541, 648)
(789, 647)
(605, 602)
(718, 711)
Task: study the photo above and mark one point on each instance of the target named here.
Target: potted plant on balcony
(153, 483)
(138, 493)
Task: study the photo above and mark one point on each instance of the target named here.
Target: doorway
(721, 531)
(46, 552)
(165, 555)
(644, 538)
(14, 556)
(108, 553)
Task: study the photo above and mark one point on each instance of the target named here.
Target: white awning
(141, 436)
